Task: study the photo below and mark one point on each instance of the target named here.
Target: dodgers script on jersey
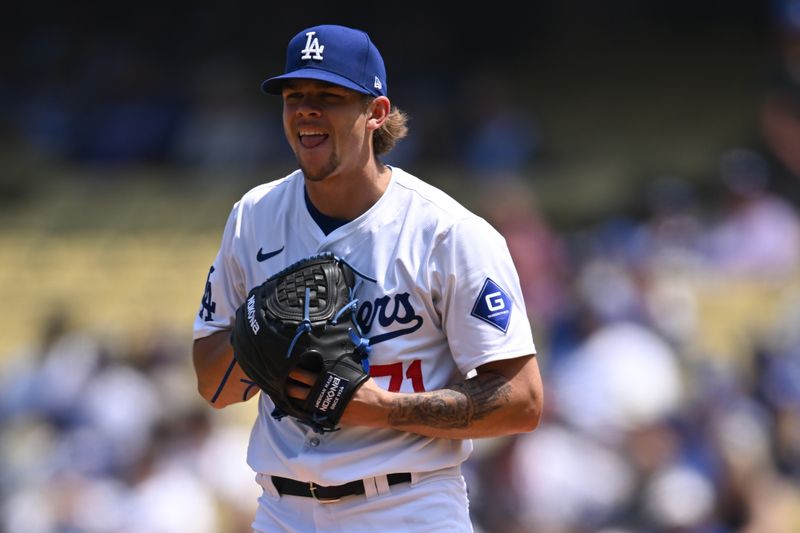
(438, 296)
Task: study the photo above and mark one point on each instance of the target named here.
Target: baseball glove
(304, 317)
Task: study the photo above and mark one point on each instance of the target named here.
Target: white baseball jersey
(438, 296)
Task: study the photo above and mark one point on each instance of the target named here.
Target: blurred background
(641, 158)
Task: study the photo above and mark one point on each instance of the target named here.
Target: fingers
(300, 383)
(297, 392)
(303, 376)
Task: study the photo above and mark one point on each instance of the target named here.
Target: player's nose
(308, 107)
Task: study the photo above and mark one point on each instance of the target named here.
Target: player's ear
(378, 111)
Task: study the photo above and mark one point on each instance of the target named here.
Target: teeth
(304, 133)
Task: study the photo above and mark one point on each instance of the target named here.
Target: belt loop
(382, 484)
(265, 481)
(370, 488)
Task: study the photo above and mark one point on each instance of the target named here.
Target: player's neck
(346, 196)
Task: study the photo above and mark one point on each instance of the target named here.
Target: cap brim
(275, 85)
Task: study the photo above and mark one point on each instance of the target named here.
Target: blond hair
(390, 133)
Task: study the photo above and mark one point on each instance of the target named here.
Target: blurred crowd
(669, 337)
(668, 343)
(97, 435)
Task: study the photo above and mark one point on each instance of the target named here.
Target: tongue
(312, 141)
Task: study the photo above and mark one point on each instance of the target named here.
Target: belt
(328, 494)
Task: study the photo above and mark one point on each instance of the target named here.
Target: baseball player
(452, 355)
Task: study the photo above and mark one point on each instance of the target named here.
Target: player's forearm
(483, 406)
(219, 379)
(487, 405)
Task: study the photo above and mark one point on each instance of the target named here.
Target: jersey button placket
(313, 442)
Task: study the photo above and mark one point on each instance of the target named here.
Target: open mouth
(312, 139)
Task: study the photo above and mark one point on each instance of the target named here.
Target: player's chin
(312, 174)
(314, 170)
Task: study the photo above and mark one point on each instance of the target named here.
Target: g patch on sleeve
(493, 305)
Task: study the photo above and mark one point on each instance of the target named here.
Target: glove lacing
(361, 343)
(305, 325)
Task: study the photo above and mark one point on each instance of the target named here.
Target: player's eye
(331, 96)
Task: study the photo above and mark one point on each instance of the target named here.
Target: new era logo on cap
(335, 54)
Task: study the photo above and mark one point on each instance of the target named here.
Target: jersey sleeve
(224, 287)
(481, 304)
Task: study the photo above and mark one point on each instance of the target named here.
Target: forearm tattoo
(455, 407)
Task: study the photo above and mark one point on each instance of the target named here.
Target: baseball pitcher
(379, 323)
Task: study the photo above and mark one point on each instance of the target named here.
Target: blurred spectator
(757, 234)
(777, 385)
(669, 255)
(636, 373)
(679, 499)
(563, 478)
(48, 380)
(671, 236)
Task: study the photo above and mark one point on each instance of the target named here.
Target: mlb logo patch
(493, 305)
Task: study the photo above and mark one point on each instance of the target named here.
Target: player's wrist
(369, 406)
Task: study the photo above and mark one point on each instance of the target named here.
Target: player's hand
(362, 409)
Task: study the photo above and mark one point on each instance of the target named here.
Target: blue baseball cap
(336, 54)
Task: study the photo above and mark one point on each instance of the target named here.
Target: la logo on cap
(312, 47)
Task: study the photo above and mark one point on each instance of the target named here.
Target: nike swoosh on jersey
(261, 256)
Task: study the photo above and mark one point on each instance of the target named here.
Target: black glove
(304, 317)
